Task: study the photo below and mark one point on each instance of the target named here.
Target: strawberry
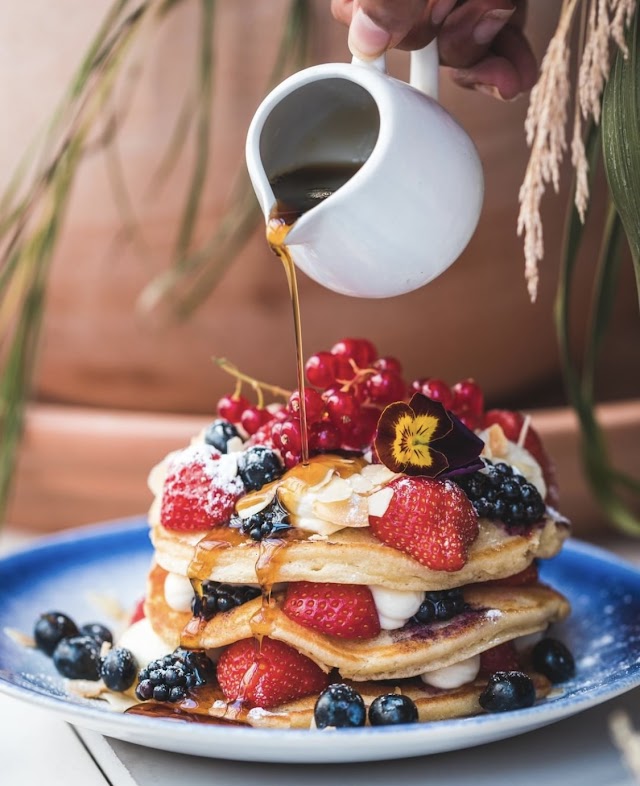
(512, 423)
(501, 658)
(201, 489)
(138, 612)
(344, 610)
(267, 674)
(431, 520)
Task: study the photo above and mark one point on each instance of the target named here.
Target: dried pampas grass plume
(546, 121)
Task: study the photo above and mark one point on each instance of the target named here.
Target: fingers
(378, 25)
(508, 69)
(481, 39)
(470, 29)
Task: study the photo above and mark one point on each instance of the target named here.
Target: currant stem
(257, 385)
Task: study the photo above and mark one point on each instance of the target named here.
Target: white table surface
(38, 748)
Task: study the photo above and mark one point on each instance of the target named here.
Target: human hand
(480, 40)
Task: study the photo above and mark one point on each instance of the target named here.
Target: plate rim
(97, 718)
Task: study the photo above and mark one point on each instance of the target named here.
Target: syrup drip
(209, 549)
(277, 231)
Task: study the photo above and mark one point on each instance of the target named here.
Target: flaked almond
(256, 501)
(379, 502)
(352, 512)
(377, 474)
(337, 490)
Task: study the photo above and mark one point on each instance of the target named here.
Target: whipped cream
(524, 643)
(395, 607)
(178, 592)
(453, 676)
(144, 642)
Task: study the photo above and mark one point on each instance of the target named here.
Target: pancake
(494, 615)
(350, 556)
(432, 704)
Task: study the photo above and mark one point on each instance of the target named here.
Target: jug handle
(424, 68)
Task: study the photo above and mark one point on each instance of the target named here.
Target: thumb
(378, 25)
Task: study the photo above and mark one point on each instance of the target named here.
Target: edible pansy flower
(423, 438)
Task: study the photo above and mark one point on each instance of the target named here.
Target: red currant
(341, 407)
(324, 437)
(470, 421)
(290, 436)
(254, 417)
(388, 364)
(276, 433)
(345, 372)
(321, 369)
(314, 404)
(291, 458)
(468, 398)
(231, 408)
(435, 389)
(360, 350)
(363, 430)
(385, 387)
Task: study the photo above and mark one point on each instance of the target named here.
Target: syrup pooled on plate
(298, 191)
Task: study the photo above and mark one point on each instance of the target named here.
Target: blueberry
(392, 708)
(119, 669)
(97, 631)
(219, 433)
(553, 659)
(341, 706)
(51, 628)
(508, 690)
(258, 466)
(78, 658)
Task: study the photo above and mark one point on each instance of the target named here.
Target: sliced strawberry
(201, 489)
(512, 423)
(431, 520)
(267, 674)
(138, 612)
(344, 610)
(501, 658)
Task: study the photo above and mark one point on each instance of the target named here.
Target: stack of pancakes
(336, 546)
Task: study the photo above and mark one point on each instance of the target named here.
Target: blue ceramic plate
(63, 572)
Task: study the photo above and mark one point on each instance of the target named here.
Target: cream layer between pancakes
(495, 614)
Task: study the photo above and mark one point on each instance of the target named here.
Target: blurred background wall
(116, 388)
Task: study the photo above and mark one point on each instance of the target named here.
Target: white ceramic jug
(411, 208)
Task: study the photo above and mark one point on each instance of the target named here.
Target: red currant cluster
(465, 399)
(349, 386)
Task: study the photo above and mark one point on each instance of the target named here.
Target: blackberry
(392, 708)
(219, 433)
(508, 690)
(118, 669)
(78, 658)
(269, 522)
(497, 492)
(51, 628)
(341, 706)
(440, 606)
(258, 466)
(553, 659)
(217, 597)
(169, 678)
